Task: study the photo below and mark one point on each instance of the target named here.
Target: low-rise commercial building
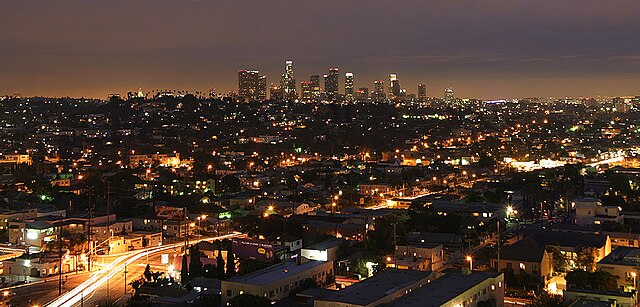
(382, 288)
(277, 281)
(458, 288)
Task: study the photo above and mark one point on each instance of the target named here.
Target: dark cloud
(482, 48)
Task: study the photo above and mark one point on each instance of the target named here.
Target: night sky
(482, 48)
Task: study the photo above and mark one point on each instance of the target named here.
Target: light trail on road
(94, 282)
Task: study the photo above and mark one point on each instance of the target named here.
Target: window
(228, 292)
(522, 266)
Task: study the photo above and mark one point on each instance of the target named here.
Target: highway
(94, 289)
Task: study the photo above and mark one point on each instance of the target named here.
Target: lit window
(522, 266)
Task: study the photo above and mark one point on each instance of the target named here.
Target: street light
(470, 259)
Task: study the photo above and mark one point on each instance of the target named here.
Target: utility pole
(89, 228)
(125, 278)
(498, 264)
(395, 259)
(60, 260)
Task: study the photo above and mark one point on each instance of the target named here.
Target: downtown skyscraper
(422, 91)
(251, 85)
(348, 86)
(378, 91)
(394, 86)
(288, 82)
(315, 87)
(331, 84)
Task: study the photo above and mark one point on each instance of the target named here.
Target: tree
(147, 273)
(231, 263)
(597, 280)
(231, 183)
(246, 299)
(560, 261)
(220, 262)
(195, 266)
(586, 258)
(184, 272)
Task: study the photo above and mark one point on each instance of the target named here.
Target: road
(94, 289)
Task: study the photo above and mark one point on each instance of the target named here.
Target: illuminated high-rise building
(306, 90)
(315, 86)
(275, 92)
(448, 94)
(261, 91)
(394, 86)
(422, 91)
(348, 86)
(288, 82)
(251, 85)
(362, 94)
(331, 84)
(378, 91)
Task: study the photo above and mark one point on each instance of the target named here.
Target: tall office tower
(331, 84)
(305, 90)
(288, 82)
(378, 90)
(275, 92)
(422, 91)
(251, 85)
(394, 86)
(315, 86)
(348, 86)
(261, 90)
(448, 94)
(362, 94)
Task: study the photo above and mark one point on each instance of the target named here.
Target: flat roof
(444, 289)
(326, 244)
(276, 272)
(376, 287)
(623, 255)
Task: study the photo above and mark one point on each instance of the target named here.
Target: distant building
(362, 94)
(448, 94)
(331, 84)
(533, 260)
(378, 91)
(418, 256)
(323, 251)
(348, 86)
(590, 211)
(15, 159)
(275, 92)
(306, 90)
(315, 86)
(394, 86)
(251, 85)
(422, 91)
(288, 82)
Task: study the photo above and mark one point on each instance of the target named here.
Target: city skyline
(490, 50)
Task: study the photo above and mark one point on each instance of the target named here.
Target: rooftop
(623, 255)
(376, 287)
(444, 289)
(276, 272)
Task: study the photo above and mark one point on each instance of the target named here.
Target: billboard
(247, 249)
(170, 213)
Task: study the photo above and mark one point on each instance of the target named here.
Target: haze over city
(483, 49)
